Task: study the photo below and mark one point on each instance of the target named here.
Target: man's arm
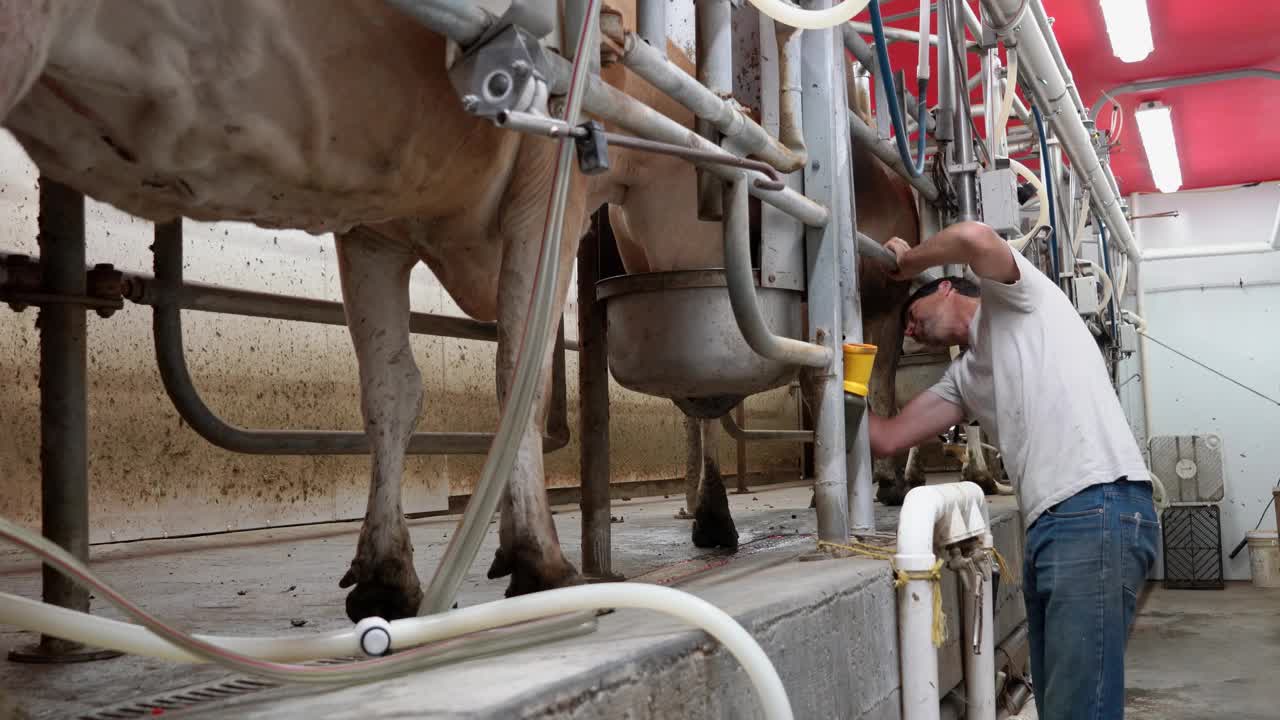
(966, 243)
(924, 417)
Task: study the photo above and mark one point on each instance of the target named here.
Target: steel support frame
(832, 284)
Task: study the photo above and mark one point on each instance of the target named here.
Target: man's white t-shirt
(1035, 381)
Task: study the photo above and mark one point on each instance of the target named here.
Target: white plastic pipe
(980, 667)
(411, 632)
(1043, 218)
(949, 514)
(810, 19)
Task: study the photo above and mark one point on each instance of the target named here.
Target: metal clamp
(506, 73)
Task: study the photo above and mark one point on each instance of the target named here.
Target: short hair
(964, 286)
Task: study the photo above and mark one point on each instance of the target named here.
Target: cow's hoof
(891, 494)
(377, 599)
(530, 573)
(713, 524)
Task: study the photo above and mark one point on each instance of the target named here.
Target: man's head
(938, 314)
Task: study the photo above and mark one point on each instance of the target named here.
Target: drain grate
(1192, 547)
(194, 696)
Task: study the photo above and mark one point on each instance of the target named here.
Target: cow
(345, 121)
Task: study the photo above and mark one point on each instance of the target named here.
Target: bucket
(858, 360)
(1264, 558)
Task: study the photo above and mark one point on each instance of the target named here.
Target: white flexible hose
(1159, 496)
(162, 640)
(1010, 91)
(811, 19)
(1133, 317)
(1107, 289)
(1043, 219)
(1081, 219)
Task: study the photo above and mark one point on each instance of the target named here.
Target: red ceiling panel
(1223, 129)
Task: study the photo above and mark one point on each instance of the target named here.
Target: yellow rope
(1004, 566)
(902, 577)
(934, 576)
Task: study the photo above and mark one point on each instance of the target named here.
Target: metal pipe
(868, 247)
(829, 258)
(172, 363)
(902, 34)
(865, 55)
(737, 432)
(1046, 31)
(790, 132)
(945, 110)
(740, 132)
(742, 292)
(1048, 89)
(1166, 83)
(713, 28)
(908, 14)
(64, 416)
(459, 20)
(865, 137)
(651, 22)
(614, 106)
(593, 409)
(948, 24)
(741, 421)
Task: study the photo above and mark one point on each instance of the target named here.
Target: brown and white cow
(343, 120)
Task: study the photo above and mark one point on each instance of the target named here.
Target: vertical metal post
(827, 180)
(593, 409)
(741, 415)
(64, 412)
(714, 51)
(963, 146)
(943, 126)
(652, 22)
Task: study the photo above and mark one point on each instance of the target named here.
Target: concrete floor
(262, 582)
(1198, 654)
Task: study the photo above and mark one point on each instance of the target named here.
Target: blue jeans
(1085, 562)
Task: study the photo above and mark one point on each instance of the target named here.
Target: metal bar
(459, 20)
(827, 177)
(611, 105)
(713, 26)
(709, 103)
(652, 22)
(866, 137)
(741, 434)
(866, 56)
(741, 474)
(1048, 87)
(593, 409)
(550, 127)
(868, 247)
(171, 360)
(64, 415)
(948, 24)
(909, 14)
(1166, 83)
(742, 292)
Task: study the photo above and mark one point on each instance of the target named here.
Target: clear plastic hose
(539, 328)
(566, 610)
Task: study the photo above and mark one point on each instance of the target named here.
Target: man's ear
(944, 287)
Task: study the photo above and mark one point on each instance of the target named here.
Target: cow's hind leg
(375, 290)
(529, 548)
(712, 522)
(885, 330)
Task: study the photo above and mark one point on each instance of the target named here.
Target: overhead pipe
(1166, 83)
(903, 35)
(176, 378)
(742, 292)
(1049, 89)
(462, 21)
(940, 516)
(743, 133)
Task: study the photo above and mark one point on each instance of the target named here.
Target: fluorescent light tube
(1155, 125)
(1129, 27)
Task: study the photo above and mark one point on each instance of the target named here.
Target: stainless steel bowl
(673, 335)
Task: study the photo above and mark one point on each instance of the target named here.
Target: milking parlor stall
(425, 358)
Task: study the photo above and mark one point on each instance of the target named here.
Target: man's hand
(901, 250)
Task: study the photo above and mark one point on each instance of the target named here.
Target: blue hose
(914, 167)
(1048, 191)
